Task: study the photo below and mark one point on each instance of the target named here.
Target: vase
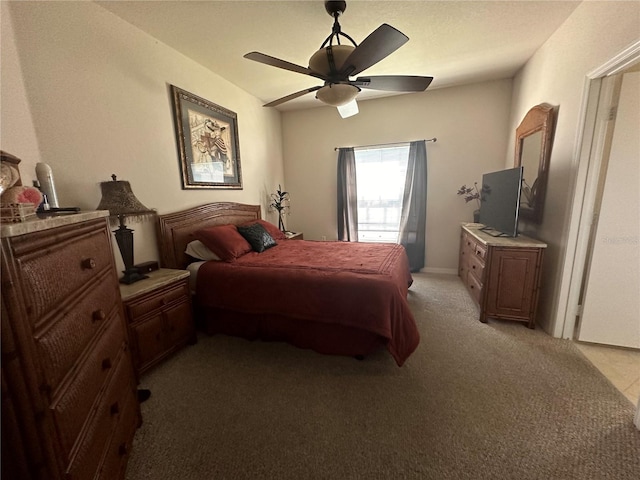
(476, 216)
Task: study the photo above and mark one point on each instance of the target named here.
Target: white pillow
(197, 249)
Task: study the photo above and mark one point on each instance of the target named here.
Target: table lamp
(118, 198)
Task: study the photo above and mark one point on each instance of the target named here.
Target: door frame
(589, 143)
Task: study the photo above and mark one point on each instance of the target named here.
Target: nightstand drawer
(157, 301)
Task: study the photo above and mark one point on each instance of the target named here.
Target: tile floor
(620, 365)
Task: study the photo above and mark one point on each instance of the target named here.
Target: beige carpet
(494, 401)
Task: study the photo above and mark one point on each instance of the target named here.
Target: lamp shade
(118, 198)
(320, 61)
(337, 94)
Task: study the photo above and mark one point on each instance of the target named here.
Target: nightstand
(294, 235)
(159, 316)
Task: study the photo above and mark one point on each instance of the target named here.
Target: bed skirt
(321, 337)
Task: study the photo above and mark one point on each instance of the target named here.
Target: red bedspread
(359, 285)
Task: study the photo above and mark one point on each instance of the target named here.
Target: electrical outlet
(324, 238)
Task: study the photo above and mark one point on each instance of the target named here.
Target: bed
(336, 298)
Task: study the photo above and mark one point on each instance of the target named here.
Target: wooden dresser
(69, 405)
(502, 274)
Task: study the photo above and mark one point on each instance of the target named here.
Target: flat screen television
(500, 202)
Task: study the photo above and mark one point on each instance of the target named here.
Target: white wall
(469, 122)
(98, 89)
(594, 33)
(17, 132)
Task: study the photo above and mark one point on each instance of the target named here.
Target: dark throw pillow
(274, 231)
(257, 236)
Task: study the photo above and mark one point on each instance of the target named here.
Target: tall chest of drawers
(69, 406)
(502, 274)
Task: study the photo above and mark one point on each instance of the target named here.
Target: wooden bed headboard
(175, 230)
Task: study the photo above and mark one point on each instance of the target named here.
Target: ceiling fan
(334, 63)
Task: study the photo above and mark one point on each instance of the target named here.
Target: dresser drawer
(75, 402)
(66, 365)
(474, 286)
(480, 250)
(475, 265)
(156, 301)
(121, 442)
(91, 447)
(65, 337)
(468, 242)
(51, 272)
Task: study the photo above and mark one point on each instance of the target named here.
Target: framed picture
(207, 136)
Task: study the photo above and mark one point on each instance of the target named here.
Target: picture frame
(207, 137)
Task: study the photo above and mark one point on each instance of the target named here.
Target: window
(380, 178)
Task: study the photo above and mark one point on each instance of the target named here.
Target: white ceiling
(454, 41)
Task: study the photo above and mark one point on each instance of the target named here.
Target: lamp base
(132, 275)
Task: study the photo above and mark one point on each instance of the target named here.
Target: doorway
(610, 295)
(592, 277)
(592, 264)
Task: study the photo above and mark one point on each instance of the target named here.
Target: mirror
(534, 137)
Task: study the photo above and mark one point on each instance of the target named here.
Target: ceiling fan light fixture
(348, 110)
(337, 94)
(319, 61)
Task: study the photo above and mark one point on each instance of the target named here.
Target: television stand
(501, 273)
(493, 232)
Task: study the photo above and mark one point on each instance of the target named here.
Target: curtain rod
(434, 140)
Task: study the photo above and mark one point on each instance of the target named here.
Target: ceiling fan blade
(381, 42)
(394, 83)
(276, 62)
(277, 102)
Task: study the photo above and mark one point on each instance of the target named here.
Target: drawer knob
(106, 364)
(473, 266)
(98, 315)
(89, 264)
(114, 409)
(471, 286)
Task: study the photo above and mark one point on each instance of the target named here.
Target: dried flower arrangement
(280, 201)
(470, 193)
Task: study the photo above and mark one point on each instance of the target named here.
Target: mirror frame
(540, 118)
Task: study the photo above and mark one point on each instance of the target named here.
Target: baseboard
(446, 271)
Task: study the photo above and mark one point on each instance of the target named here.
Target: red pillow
(274, 231)
(224, 240)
